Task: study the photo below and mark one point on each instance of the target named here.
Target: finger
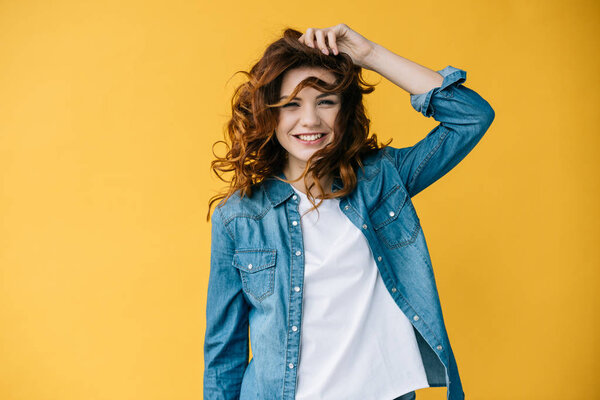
(301, 39)
(310, 37)
(332, 43)
(340, 29)
(320, 35)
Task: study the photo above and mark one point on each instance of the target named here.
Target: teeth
(309, 138)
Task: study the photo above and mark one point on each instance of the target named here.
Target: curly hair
(253, 152)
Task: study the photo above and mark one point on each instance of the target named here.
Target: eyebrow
(318, 97)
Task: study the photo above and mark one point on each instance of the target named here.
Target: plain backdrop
(108, 110)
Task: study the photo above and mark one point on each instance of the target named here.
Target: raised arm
(463, 114)
(226, 343)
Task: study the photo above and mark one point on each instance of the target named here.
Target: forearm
(410, 76)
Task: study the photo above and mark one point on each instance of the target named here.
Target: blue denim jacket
(257, 256)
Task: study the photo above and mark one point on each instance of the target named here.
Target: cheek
(284, 124)
(281, 132)
(332, 119)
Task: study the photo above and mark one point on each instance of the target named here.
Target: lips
(310, 136)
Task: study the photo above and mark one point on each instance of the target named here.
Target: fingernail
(324, 51)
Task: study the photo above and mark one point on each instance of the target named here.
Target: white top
(355, 343)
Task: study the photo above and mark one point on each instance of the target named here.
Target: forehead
(294, 76)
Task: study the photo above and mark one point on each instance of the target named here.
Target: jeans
(408, 396)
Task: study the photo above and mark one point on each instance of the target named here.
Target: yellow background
(108, 110)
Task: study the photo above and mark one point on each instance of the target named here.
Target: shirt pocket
(394, 219)
(257, 270)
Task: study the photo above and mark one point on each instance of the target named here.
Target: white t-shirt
(356, 343)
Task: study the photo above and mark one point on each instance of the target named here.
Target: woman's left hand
(340, 38)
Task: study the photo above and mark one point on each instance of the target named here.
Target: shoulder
(374, 161)
(238, 205)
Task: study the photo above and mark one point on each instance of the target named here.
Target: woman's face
(306, 124)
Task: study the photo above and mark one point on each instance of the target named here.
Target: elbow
(489, 116)
(485, 117)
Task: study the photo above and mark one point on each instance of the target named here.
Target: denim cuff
(452, 77)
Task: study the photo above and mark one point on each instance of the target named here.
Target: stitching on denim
(271, 284)
(286, 370)
(431, 331)
(386, 152)
(255, 217)
(443, 135)
(384, 198)
(271, 253)
(276, 203)
(269, 267)
(374, 171)
(403, 242)
(396, 208)
(373, 166)
(226, 224)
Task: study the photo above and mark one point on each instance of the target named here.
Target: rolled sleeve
(422, 102)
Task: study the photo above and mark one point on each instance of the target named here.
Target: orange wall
(107, 113)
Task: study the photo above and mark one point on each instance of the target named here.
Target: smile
(310, 138)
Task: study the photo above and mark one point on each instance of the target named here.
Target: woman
(316, 247)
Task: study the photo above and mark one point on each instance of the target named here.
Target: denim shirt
(255, 285)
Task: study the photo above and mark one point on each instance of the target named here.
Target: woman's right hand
(340, 38)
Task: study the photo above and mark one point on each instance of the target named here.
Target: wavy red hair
(253, 152)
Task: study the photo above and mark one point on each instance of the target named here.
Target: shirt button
(291, 365)
(298, 252)
(295, 198)
(364, 226)
(294, 328)
(416, 317)
(394, 289)
(346, 207)
(297, 289)
(392, 214)
(439, 347)
(379, 258)
(295, 223)
(249, 266)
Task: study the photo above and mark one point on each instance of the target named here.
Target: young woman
(318, 259)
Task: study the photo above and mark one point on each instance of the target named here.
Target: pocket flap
(388, 208)
(254, 260)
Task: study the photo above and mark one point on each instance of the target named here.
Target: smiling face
(305, 124)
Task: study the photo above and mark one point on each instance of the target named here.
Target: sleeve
(226, 342)
(464, 117)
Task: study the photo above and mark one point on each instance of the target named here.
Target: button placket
(295, 298)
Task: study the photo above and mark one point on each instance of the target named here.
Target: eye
(291, 104)
(327, 102)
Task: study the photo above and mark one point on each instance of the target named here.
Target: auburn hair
(253, 152)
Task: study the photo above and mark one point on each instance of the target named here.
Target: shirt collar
(279, 191)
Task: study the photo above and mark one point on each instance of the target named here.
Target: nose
(310, 116)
